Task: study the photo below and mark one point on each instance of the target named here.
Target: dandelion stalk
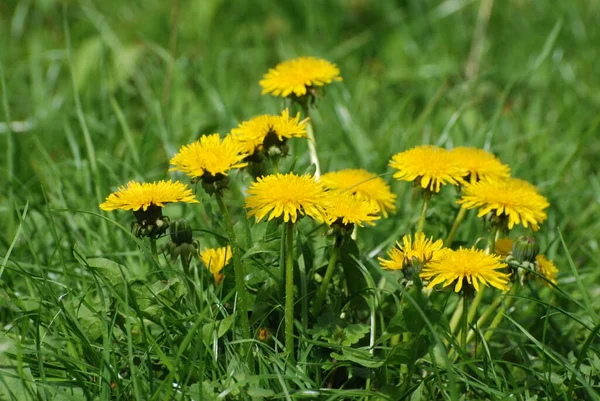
(312, 144)
(242, 300)
(289, 289)
(460, 216)
(465, 320)
(333, 258)
(153, 248)
(421, 223)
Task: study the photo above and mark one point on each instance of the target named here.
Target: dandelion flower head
(474, 265)
(481, 165)
(546, 268)
(138, 195)
(209, 156)
(345, 208)
(364, 185)
(254, 133)
(215, 259)
(297, 75)
(516, 200)
(287, 195)
(428, 166)
(422, 250)
(503, 246)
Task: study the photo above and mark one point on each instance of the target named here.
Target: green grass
(94, 94)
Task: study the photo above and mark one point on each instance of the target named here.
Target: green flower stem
(501, 305)
(289, 289)
(421, 223)
(465, 321)
(460, 216)
(492, 239)
(312, 144)
(475, 304)
(153, 248)
(242, 296)
(455, 319)
(335, 254)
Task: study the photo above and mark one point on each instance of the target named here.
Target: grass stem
(460, 216)
(312, 144)
(421, 223)
(289, 289)
(333, 258)
(242, 296)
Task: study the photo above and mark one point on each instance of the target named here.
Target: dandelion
(546, 268)
(299, 76)
(262, 132)
(210, 158)
(503, 247)
(480, 165)
(474, 265)
(287, 195)
(409, 253)
(348, 210)
(429, 167)
(215, 259)
(364, 185)
(145, 195)
(512, 201)
(146, 200)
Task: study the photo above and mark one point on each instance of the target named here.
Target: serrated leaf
(360, 357)
(354, 333)
(407, 353)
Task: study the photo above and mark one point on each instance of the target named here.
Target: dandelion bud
(525, 249)
(180, 232)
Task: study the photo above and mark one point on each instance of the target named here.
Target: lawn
(94, 94)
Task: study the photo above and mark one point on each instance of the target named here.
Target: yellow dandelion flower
(512, 199)
(503, 246)
(481, 165)
(345, 208)
(364, 185)
(422, 250)
(287, 195)
(258, 132)
(474, 265)
(297, 76)
(138, 195)
(546, 268)
(428, 166)
(209, 157)
(215, 259)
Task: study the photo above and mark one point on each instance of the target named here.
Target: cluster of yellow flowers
(347, 198)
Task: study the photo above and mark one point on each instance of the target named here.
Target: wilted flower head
(364, 185)
(428, 166)
(298, 76)
(546, 268)
(215, 259)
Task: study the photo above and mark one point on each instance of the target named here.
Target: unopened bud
(525, 249)
(180, 232)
